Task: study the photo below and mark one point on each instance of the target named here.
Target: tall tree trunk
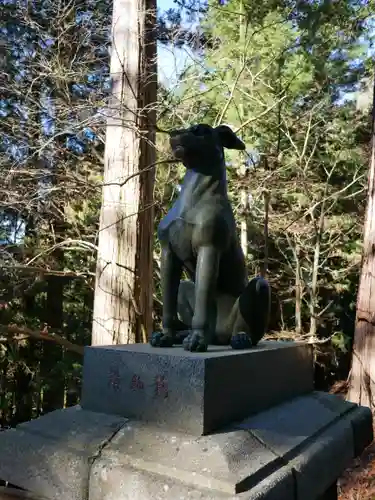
(298, 289)
(244, 209)
(244, 194)
(123, 291)
(23, 376)
(362, 374)
(313, 306)
(54, 391)
(51, 368)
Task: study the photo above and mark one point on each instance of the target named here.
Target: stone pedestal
(331, 493)
(196, 393)
(170, 425)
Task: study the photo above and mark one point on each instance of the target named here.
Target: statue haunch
(199, 235)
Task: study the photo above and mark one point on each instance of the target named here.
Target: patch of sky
(107, 83)
(21, 110)
(48, 124)
(21, 75)
(4, 108)
(76, 145)
(94, 78)
(12, 230)
(172, 60)
(89, 134)
(46, 43)
(355, 63)
(336, 55)
(16, 151)
(252, 158)
(79, 89)
(83, 17)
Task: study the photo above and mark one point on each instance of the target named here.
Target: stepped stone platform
(292, 444)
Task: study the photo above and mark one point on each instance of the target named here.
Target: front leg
(205, 288)
(170, 270)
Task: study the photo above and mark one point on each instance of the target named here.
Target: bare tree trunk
(53, 393)
(244, 195)
(315, 274)
(295, 248)
(298, 290)
(362, 374)
(243, 230)
(123, 293)
(53, 314)
(267, 198)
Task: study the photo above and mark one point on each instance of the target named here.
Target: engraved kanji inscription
(161, 386)
(114, 379)
(136, 383)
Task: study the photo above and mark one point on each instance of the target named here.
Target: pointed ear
(228, 138)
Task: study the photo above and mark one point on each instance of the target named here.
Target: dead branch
(46, 272)
(20, 333)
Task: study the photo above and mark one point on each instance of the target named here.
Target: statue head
(201, 147)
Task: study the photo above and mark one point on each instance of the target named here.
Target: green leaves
(280, 70)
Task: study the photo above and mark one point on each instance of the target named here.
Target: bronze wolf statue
(218, 305)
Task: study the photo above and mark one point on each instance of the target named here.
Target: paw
(195, 342)
(180, 336)
(241, 340)
(159, 339)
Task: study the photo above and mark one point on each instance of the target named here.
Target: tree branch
(23, 332)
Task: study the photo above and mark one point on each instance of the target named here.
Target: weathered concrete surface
(186, 391)
(287, 427)
(52, 455)
(316, 435)
(361, 429)
(331, 452)
(109, 481)
(228, 462)
(295, 451)
(319, 464)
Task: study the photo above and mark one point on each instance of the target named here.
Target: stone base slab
(51, 456)
(294, 451)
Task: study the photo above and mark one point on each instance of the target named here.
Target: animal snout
(194, 140)
(182, 144)
(177, 147)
